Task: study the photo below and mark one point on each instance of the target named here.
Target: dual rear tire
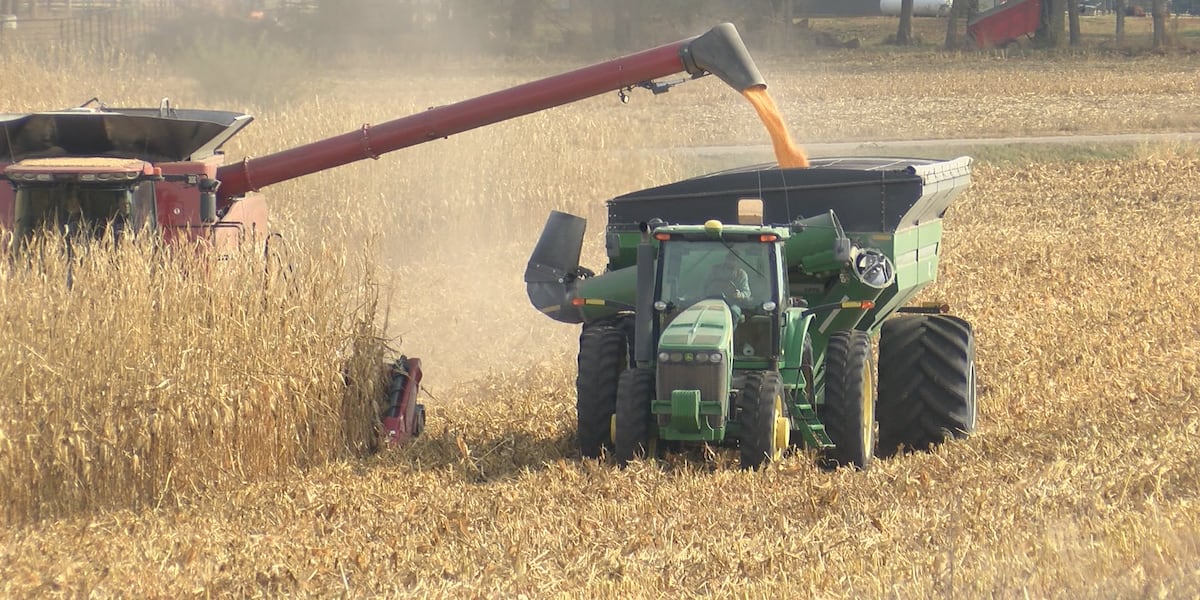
(603, 357)
(925, 396)
(765, 427)
(848, 412)
(926, 382)
(634, 435)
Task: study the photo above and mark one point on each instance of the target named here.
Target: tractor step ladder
(813, 431)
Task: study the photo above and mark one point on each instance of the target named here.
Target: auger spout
(722, 53)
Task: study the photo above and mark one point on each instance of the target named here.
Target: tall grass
(163, 371)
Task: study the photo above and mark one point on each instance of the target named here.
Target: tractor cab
(738, 267)
(82, 197)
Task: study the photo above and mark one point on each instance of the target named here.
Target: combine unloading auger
(719, 52)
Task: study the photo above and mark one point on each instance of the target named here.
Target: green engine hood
(706, 325)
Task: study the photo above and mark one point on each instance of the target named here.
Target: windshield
(734, 271)
(83, 210)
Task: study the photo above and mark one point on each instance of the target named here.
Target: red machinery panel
(1004, 24)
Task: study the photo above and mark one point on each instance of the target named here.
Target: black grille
(710, 379)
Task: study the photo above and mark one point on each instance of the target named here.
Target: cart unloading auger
(131, 170)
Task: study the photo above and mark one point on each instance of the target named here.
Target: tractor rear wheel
(848, 412)
(634, 436)
(603, 356)
(926, 382)
(765, 427)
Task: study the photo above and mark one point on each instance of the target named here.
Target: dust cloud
(450, 224)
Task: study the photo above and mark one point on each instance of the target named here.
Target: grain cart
(95, 169)
(825, 256)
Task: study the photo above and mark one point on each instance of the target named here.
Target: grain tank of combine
(95, 170)
(741, 307)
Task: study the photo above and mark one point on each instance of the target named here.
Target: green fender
(795, 330)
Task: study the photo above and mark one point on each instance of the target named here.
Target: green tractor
(740, 308)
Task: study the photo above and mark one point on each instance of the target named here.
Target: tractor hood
(150, 134)
(706, 325)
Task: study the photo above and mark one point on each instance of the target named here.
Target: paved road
(858, 148)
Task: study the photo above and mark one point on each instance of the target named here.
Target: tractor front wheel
(765, 427)
(634, 437)
(848, 412)
(603, 356)
(927, 382)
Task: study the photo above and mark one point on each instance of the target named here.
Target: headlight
(660, 306)
(715, 357)
(768, 306)
(664, 357)
(701, 356)
(676, 356)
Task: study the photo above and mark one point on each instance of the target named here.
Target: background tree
(904, 36)
(960, 9)
(1073, 21)
(1159, 13)
(1119, 8)
(1050, 32)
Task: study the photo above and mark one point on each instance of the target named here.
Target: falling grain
(787, 153)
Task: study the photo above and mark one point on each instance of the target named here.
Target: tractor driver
(729, 280)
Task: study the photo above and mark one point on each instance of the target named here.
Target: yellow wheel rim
(782, 431)
(868, 409)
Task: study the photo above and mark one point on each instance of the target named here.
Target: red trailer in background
(1004, 24)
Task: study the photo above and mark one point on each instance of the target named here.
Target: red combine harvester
(94, 169)
(1004, 24)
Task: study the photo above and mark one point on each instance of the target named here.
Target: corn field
(181, 426)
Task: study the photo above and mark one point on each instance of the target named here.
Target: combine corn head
(95, 169)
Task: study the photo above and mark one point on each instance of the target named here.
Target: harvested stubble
(1082, 481)
(163, 371)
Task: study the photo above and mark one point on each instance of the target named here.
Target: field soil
(1076, 267)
